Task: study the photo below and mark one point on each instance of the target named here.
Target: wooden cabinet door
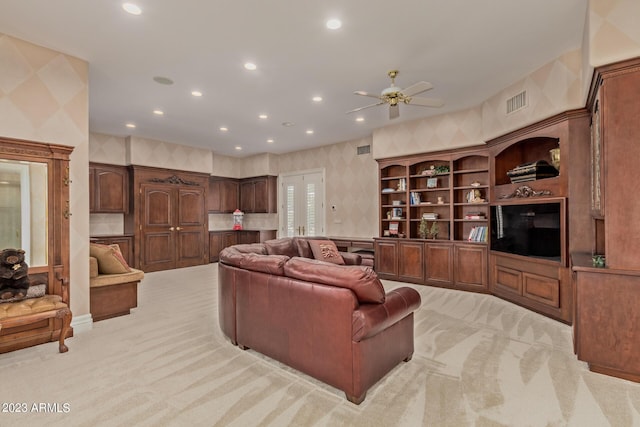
(246, 237)
(439, 265)
(110, 190)
(471, 267)
(191, 239)
(214, 199)
(229, 190)
(386, 261)
(92, 189)
(411, 261)
(247, 196)
(215, 246)
(158, 209)
(223, 195)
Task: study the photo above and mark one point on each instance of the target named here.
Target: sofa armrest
(370, 319)
(351, 258)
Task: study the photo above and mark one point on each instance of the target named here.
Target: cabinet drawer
(542, 289)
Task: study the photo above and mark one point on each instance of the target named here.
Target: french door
(302, 201)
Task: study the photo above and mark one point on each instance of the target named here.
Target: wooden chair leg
(65, 315)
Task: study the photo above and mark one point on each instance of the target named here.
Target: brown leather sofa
(332, 322)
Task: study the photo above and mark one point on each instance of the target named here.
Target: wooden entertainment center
(457, 258)
(592, 196)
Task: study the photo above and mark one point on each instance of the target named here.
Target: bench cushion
(31, 306)
(134, 275)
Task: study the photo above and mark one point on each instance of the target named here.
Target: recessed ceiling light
(360, 119)
(317, 98)
(238, 148)
(263, 116)
(309, 131)
(163, 80)
(334, 24)
(250, 66)
(131, 8)
(223, 129)
(196, 93)
(270, 140)
(158, 112)
(130, 125)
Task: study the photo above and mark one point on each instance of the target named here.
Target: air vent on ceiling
(517, 102)
(364, 149)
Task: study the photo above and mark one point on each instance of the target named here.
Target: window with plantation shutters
(302, 204)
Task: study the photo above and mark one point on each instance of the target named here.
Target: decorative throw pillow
(110, 261)
(326, 250)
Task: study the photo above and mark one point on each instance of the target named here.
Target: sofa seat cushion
(363, 281)
(326, 250)
(370, 319)
(134, 275)
(31, 306)
(271, 264)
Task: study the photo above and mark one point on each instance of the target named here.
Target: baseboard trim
(82, 323)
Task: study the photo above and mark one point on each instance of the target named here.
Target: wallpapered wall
(44, 97)
(351, 179)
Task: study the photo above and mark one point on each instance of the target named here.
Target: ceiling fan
(393, 95)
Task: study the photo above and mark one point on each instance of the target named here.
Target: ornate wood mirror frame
(56, 272)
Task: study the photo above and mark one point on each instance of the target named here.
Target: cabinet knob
(178, 228)
(171, 228)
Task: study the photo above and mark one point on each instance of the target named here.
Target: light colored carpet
(479, 361)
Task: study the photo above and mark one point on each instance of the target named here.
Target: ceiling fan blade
(363, 93)
(427, 102)
(416, 88)
(394, 111)
(366, 106)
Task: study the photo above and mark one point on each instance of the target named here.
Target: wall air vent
(364, 149)
(517, 102)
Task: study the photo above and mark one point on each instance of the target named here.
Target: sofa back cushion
(254, 248)
(304, 250)
(271, 264)
(284, 246)
(362, 281)
(326, 250)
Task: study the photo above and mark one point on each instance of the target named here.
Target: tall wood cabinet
(169, 220)
(606, 332)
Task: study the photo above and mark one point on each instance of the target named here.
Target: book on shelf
(430, 215)
(415, 198)
(475, 215)
(478, 234)
(393, 228)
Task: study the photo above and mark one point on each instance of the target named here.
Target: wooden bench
(33, 310)
(112, 295)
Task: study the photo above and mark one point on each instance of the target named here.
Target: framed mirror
(23, 209)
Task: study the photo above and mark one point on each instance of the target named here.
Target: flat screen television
(533, 230)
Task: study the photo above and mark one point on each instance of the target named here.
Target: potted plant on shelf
(434, 230)
(423, 230)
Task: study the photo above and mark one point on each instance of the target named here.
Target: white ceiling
(469, 50)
